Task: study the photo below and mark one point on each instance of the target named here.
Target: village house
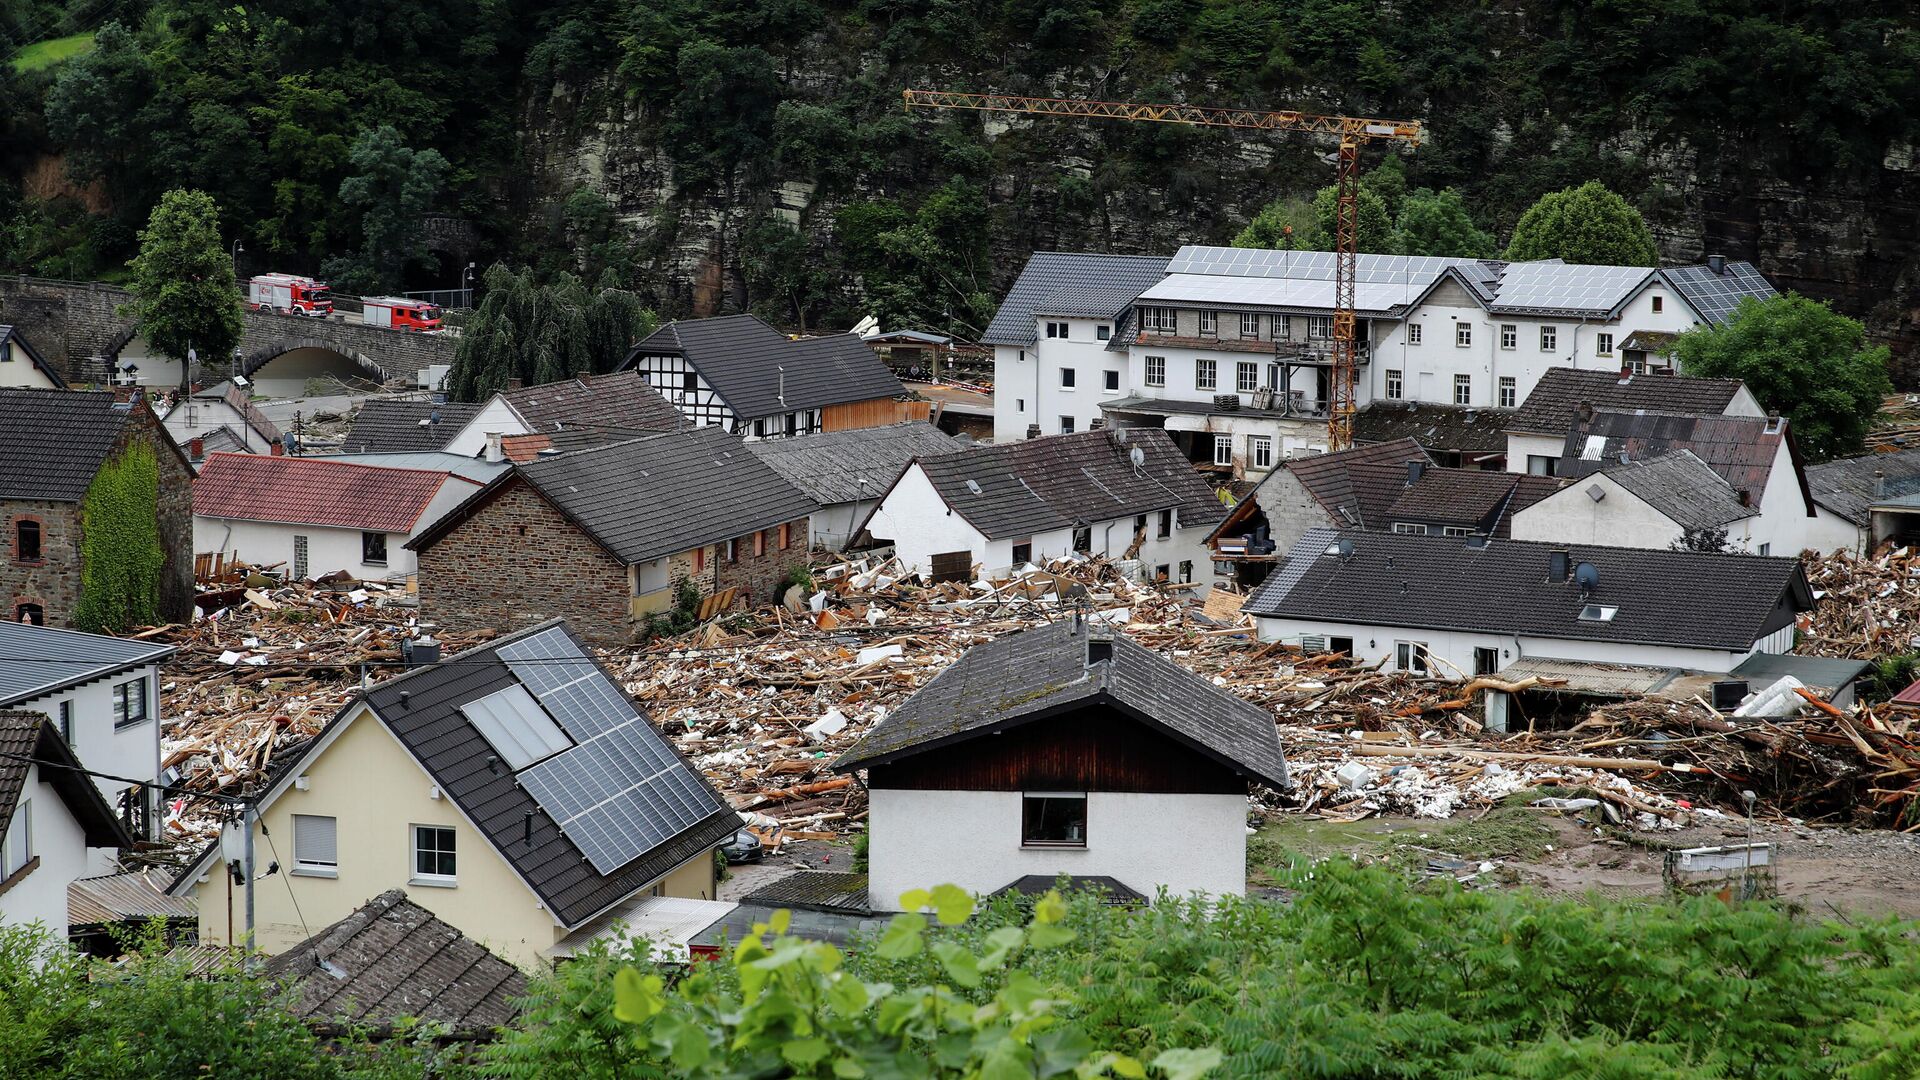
(56, 444)
(846, 472)
(1119, 494)
(102, 695)
(1067, 749)
(1537, 433)
(405, 425)
(52, 821)
(513, 787)
(316, 515)
(1874, 493)
(226, 416)
(22, 365)
(603, 536)
(616, 406)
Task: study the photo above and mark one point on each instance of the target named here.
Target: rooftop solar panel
(515, 726)
(1560, 287)
(620, 794)
(571, 686)
(1716, 295)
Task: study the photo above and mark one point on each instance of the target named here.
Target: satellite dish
(1587, 577)
(1346, 547)
(1138, 457)
(1120, 435)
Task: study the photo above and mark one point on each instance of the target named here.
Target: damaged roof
(760, 372)
(393, 426)
(1682, 487)
(1846, 486)
(314, 491)
(854, 465)
(1329, 477)
(119, 898)
(1554, 404)
(1019, 678)
(1740, 449)
(623, 399)
(1081, 281)
(1467, 429)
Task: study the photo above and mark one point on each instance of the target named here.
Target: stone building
(604, 535)
(55, 443)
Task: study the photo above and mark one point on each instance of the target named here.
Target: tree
(615, 320)
(1281, 225)
(393, 186)
(1313, 225)
(1588, 225)
(100, 109)
(184, 294)
(542, 333)
(1437, 223)
(1801, 359)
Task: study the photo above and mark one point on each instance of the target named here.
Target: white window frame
(1109, 381)
(1156, 371)
(436, 880)
(1409, 528)
(1413, 657)
(306, 867)
(1455, 530)
(1549, 338)
(1281, 327)
(1069, 380)
(1462, 389)
(1066, 425)
(1223, 449)
(1509, 335)
(1206, 373)
(1158, 320)
(368, 538)
(126, 696)
(1249, 324)
(17, 846)
(1462, 334)
(1209, 323)
(1603, 344)
(1246, 377)
(1396, 384)
(1413, 333)
(1102, 332)
(1509, 391)
(1259, 451)
(1319, 327)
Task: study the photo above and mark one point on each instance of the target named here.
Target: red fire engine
(399, 313)
(290, 295)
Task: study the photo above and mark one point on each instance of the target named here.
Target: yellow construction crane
(1351, 131)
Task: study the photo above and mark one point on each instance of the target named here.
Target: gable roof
(1478, 499)
(622, 399)
(478, 470)
(30, 735)
(760, 372)
(391, 426)
(1035, 673)
(1050, 278)
(1676, 598)
(55, 441)
(1469, 429)
(313, 491)
(1329, 477)
(1714, 295)
(853, 465)
(1554, 403)
(393, 960)
(1062, 481)
(1682, 487)
(41, 660)
(216, 440)
(237, 399)
(19, 341)
(1741, 449)
(1846, 485)
(654, 496)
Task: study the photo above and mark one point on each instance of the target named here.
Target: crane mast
(1352, 131)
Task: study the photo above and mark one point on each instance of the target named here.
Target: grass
(1508, 831)
(45, 54)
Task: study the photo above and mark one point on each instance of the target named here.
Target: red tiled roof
(524, 448)
(1909, 696)
(313, 491)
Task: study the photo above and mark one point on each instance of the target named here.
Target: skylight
(516, 726)
(1598, 613)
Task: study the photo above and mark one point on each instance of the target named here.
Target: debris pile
(1869, 605)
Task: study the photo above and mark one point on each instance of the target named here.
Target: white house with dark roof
(1537, 433)
(621, 404)
(225, 410)
(54, 826)
(846, 472)
(1068, 749)
(22, 365)
(1120, 494)
(1872, 493)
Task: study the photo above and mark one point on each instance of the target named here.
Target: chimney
(1773, 421)
(1584, 411)
(1557, 565)
(1096, 423)
(1717, 264)
(1033, 431)
(1745, 496)
(196, 448)
(494, 453)
(1415, 470)
(1879, 484)
(513, 384)
(276, 449)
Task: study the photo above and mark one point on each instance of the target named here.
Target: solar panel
(515, 726)
(1715, 296)
(620, 794)
(568, 683)
(1560, 287)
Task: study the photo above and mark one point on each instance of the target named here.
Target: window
(1455, 530)
(1023, 553)
(1223, 449)
(1411, 657)
(433, 855)
(1246, 377)
(1463, 389)
(1410, 528)
(1282, 327)
(129, 703)
(1056, 329)
(1111, 381)
(300, 558)
(1067, 378)
(1413, 333)
(1165, 525)
(1163, 573)
(1603, 344)
(1209, 323)
(1249, 324)
(1340, 645)
(1486, 661)
(1206, 374)
(1156, 371)
(1509, 336)
(1140, 525)
(1066, 425)
(1540, 465)
(1259, 451)
(66, 722)
(1186, 570)
(760, 543)
(19, 843)
(1598, 613)
(1549, 338)
(1319, 327)
(26, 540)
(1102, 332)
(373, 548)
(1019, 404)
(733, 550)
(1766, 549)
(1635, 363)
(1083, 539)
(1394, 385)
(31, 614)
(316, 848)
(699, 559)
(1462, 334)
(1053, 819)
(793, 423)
(1157, 320)
(1659, 304)
(1509, 392)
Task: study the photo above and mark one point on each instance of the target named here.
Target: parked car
(743, 848)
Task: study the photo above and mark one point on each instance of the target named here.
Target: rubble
(1869, 605)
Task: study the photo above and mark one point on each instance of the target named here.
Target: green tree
(540, 333)
(923, 269)
(615, 321)
(393, 186)
(1801, 359)
(101, 110)
(1281, 225)
(1437, 223)
(184, 293)
(1313, 224)
(783, 278)
(1588, 225)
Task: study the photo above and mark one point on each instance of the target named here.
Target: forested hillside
(673, 144)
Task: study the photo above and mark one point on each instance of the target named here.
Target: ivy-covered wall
(120, 553)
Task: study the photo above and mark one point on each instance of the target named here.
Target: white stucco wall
(1032, 376)
(328, 549)
(917, 522)
(1186, 842)
(133, 750)
(62, 847)
(1621, 519)
(197, 416)
(1452, 651)
(833, 525)
(494, 417)
(17, 369)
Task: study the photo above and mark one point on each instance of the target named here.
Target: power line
(285, 878)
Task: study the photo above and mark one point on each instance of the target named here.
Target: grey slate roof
(19, 341)
(1114, 892)
(1329, 477)
(1050, 272)
(390, 426)
(1554, 403)
(55, 441)
(1466, 429)
(41, 660)
(128, 897)
(742, 359)
(1677, 598)
(1060, 481)
(654, 496)
(1682, 487)
(32, 735)
(219, 440)
(853, 465)
(1022, 677)
(623, 399)
(393, 960)
(1845, 485)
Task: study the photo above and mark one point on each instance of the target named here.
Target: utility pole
(249, 818)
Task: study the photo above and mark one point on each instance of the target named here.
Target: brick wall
(516, 561)
(175, 507)
(758, 577)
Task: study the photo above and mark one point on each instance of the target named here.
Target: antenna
(1138, 457)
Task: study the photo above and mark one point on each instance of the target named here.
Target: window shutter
(314, 840)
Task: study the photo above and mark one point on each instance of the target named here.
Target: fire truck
(288, 294)
(399, 313)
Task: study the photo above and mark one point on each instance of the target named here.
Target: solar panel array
(568, 683)
(1280, 292)
(1715, 296)
(1305, 265)
(1560, 287)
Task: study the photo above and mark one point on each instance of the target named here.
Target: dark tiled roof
(1740, 449)
(1682, 487)
(1470, 498)
(389, 426)
(820, 890)
(1845, 485)
(219, 440)
(1677, 598)
(1050, 272)
(31, 735)
(1058, 481)
(1555, 402)
(55, 441)
(854, 465)
(1087, 301)
(19, 341)
(42, 659)
(743, 359)
(1329, 477)
(1114, 892)
(1036, 672)
(393, 960)
(620, 400)
(313, 491)
(1463, 428)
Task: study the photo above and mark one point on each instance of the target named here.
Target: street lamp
(466, 283)
(237, 249)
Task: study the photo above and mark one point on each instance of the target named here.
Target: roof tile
(313, 491)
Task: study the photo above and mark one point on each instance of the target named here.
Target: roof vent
(1717, 263)
(973, 486)
(1587, 577)
(1596, 492)
(1099, 651)
(1879, 484)
(1557, 565)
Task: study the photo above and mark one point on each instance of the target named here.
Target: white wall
(493, 417)
(1016, 371)
(328, 549)
(17, 369)
(197, 416)
(1621, 519)
(130, 751)
(1186, 842)
(834, 524)
(1452, 651)
(61, 844)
